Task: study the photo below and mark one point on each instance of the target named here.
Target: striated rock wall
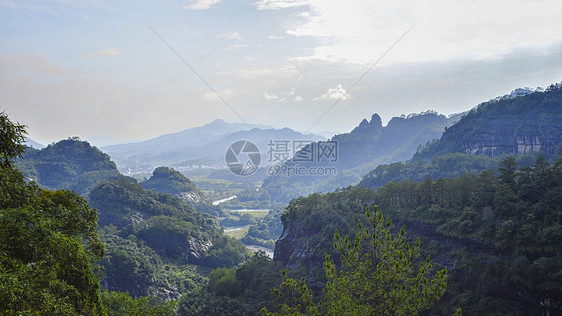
(292, 246)
(510, 141)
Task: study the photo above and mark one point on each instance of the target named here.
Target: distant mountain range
(31, 143)
(361, 150)
(203, 146)
(528, 123)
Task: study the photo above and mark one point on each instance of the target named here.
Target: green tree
(293, 298)
(11, 140)
(222, 281)
(48, 243)
(122, 304)
(507, 169)
(379, 276)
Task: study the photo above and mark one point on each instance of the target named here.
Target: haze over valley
(294, 157)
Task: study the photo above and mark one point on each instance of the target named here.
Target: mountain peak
(376, 120)
(374, 124)
(364, 123)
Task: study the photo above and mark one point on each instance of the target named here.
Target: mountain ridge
(208, 142)
(366, 146)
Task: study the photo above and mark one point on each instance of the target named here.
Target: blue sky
(95, 69)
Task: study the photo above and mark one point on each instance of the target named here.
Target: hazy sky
(95, 69)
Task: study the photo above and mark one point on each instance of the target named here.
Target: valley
(480, 190)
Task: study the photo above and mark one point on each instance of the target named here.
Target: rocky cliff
(524, 123)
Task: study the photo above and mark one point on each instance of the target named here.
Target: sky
(117, 71)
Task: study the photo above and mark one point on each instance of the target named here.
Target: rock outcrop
(521, 124)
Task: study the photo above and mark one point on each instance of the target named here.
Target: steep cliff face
(297, 246)
(522, 124)
(292, 248)
(506, 141)
(288, 243)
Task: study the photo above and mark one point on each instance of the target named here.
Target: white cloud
(236, 46)
(281, 96)
(298, 98)
(279, 4)
(211, 96)
(270, 97)
(105, 52)
(201, 4)
(360, 31)
(282, 73)
(230, 35)
(334, 94)
(274, 37)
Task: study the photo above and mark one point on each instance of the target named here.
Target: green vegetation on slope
(48, 242)
(236, 291)
(499, 233)
(445, 166)
(167, 180)
(70, 164)
(379, 275)
(516, 218)
(158, 243)
(49, 245)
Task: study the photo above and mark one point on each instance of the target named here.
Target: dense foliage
(12, 140)
(48, 243)
(445, 166)
(69, 164)
(266, 230)
(167, 180)
(516, 215)
(378, 276)
(122, 304)
(123, 202)
(236, 291)
(157, 241)
(49, 246)
(499, 233)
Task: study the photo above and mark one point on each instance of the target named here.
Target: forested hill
(155, 241)
(359, 151)
(68, 164)
(167, 180)
(524, 124)
(499, 234)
